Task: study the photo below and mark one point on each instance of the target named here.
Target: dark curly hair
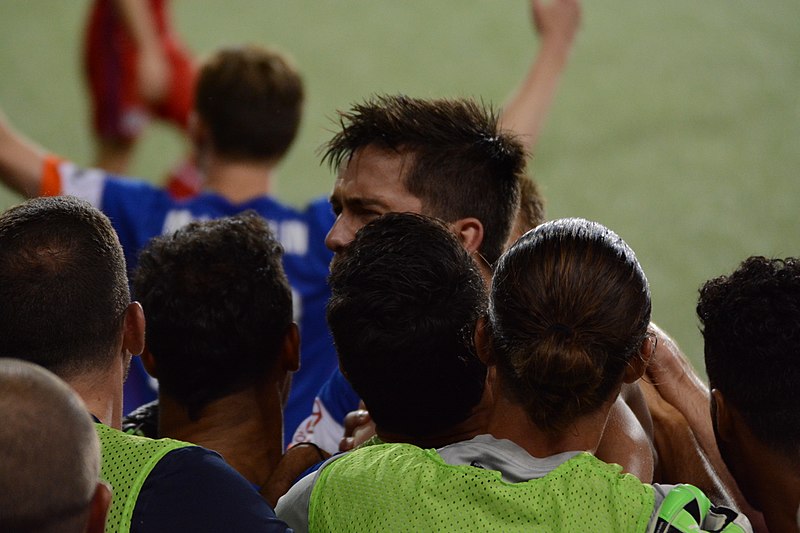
(750, 322)
(569, 309)
(217, 304)
(462, 166)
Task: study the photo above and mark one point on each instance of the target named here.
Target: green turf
(677, 124)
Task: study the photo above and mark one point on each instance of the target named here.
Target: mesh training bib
(126, 462)
(398, 487)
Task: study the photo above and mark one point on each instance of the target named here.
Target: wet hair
(569, 309)
(750, 322)
(405, 300)
(218, 306)
(461, 165)
(251, 98)
(63, 287)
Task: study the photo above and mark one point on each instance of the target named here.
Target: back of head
(405, 300)
(218, 306)
(251, 98)
(63, 287)
(51, 454)
(570, 307)
(462, 165)
(751, 327)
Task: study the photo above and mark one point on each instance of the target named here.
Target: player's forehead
(375, 175)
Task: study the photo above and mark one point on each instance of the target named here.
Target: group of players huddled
(422, 351)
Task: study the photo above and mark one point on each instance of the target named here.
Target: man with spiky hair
(442, 158)
(447, 159)
(556, 24)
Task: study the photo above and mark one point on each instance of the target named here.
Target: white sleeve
(293, 506)
(84, 183)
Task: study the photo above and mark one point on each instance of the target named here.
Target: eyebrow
(359, 203)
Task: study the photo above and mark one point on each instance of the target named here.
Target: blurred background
(677, 123)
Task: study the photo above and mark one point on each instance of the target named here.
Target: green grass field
(677, 124)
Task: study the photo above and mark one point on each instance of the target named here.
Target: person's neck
(773, 485)
(101, 391)
(238, 180)
(246, 428)
(475, 424)
(509, 420)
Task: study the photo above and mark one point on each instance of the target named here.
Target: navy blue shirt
(194, 489)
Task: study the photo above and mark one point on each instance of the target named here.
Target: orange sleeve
(51, 178)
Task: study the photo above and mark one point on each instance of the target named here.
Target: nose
(339, 236)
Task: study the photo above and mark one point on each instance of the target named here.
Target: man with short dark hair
(391, 186)
(405, 299)
(750, 321)
(64, 304)
(406, 296)
(47, 484)
(442, 158)
(220, 341)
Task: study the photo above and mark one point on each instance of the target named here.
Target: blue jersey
(325, 425)
(140, 211)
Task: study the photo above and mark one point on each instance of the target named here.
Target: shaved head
(51, 453)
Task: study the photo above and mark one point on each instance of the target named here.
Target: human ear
(469, 232)
(483, 342)
(290, 349)
(721, 416)
(133, 329)
(98, 508)
(638, 363)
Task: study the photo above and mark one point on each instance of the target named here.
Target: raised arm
(21, 161)
(556, 24)
(679, 403)
(678, 383)
(152, 65)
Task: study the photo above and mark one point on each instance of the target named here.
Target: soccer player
(249, 104)
(221, 341)
(556, 25)
(446, 159)
(750, 321)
